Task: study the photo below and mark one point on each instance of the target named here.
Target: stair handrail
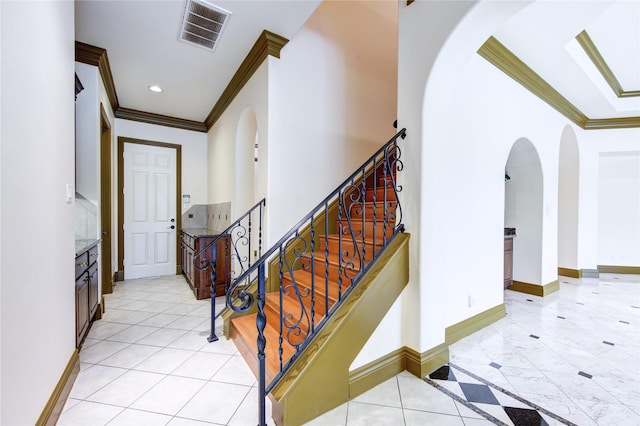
(242, 234)
(391, 153)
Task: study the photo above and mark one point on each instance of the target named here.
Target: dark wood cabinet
(199, 280)
(86, 290)
(508, 262)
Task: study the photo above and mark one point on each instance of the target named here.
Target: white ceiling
(141, 38)
(543, 36)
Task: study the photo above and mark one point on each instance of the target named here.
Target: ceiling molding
(268, 43)
(594, 54)
(497, 54)
(97, 56)
(613, 123)
(162, 120)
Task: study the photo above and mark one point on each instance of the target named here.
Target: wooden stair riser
(347, 246)
(380, 195)
(293, 314)
(349, 268)
(316, 298)
(382, 229)
(244, 334)
(376, 209)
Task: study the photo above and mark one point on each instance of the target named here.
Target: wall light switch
(70, 193)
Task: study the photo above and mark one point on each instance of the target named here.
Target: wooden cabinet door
(93, 289)
(508, 262)
(82, 307)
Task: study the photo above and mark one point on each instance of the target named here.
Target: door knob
(172, 227)
(173, 220)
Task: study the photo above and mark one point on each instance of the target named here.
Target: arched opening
(523, 211)
(568, 176)
(246, 140)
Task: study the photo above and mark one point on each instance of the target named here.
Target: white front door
(149, 211)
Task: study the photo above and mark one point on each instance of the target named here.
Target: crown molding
(267, 44)
(503, 59)
(162, 120)
(496, 53)
(97, 56)
(594, 54)
(612, 123)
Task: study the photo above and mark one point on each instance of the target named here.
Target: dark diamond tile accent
(525, 417)
(495, 365)
(561, 317)
(443, 373)
(595, 292)
(583, 374)
(624, 322)
(529, 300)
(478, 393)
(565, 282)
(580, 303)
(534, 336)
(637, 307)
(608, 343)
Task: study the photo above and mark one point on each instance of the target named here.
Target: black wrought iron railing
(240, 244)
(316, 265)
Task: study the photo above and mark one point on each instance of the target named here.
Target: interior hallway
(147, 362)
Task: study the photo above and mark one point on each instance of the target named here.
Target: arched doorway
(568, 175)
(523, 211)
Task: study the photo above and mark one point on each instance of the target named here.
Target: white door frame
(120, 201)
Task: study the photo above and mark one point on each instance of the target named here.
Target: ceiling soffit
(268, 43)
(596, 57)
(503, 59)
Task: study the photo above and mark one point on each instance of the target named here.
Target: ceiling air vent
(203, 23)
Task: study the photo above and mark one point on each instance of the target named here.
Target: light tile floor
(147, 362)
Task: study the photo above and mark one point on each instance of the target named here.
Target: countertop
(82, 246)
(201, 232)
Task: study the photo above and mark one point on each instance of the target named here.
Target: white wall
(332, 103)
(619, 208)
(222, 144)
(88, 133)
(592, 144)
(37, 224)
(568, 191)
(194, 154)
(458, 152)
(523, 210)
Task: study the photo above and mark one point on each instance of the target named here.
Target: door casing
(105, 205)
(121, 141)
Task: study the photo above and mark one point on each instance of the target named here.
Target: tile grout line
(514, 396)
(465, 403)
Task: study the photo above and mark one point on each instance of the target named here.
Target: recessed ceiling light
(156, 89)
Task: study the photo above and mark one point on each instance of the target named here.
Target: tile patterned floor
(575, 354)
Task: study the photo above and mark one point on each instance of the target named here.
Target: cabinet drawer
(82, 262)
(93, 254)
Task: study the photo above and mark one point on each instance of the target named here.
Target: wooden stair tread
(303, 278)
(244, 335)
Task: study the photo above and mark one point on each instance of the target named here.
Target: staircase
(324, 276)
(313, 270)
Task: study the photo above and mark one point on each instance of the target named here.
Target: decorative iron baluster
(212, 337)
(261, 322)
(313, 276)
